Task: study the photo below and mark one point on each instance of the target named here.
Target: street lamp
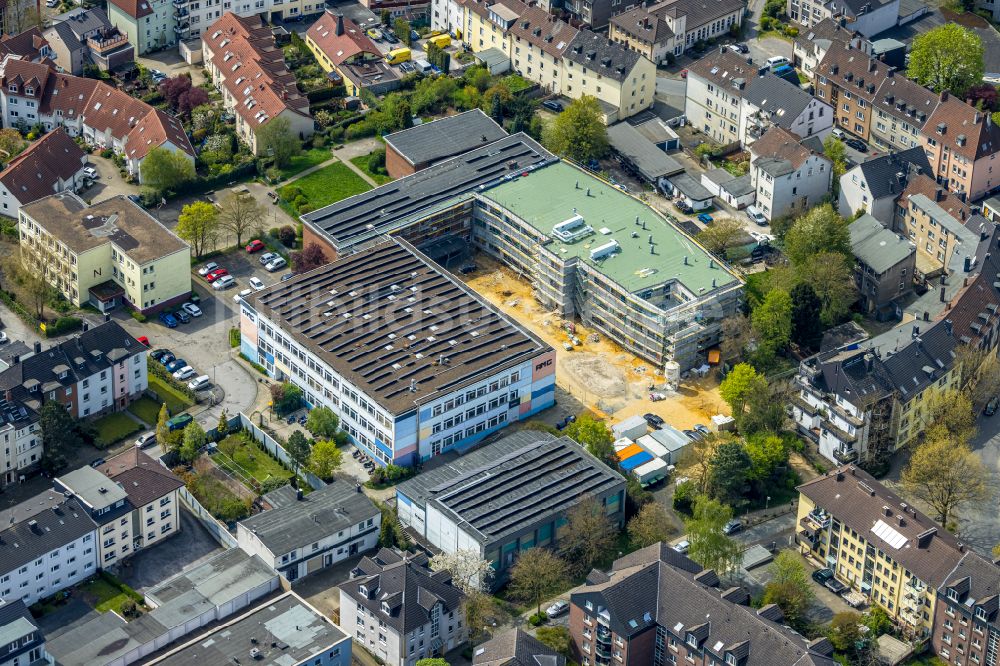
(767, 502)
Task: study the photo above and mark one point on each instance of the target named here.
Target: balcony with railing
(845, 455)
(604, 617)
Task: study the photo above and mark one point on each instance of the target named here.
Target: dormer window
(12, 87)
(730, 659)
(692, 640)
(981, 613)
(952, 595)
(363, 589)
(385, 608)
(29, 91)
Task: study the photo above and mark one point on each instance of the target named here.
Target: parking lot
(826, 604)
(109, 183)
(241, 266)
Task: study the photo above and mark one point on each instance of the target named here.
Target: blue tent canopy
(634, 461)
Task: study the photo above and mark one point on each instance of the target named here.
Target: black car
(822, 575)
(157, 353)
(468, 268)
(136, 199)
(991, 407)
(553, 105)
(654, 421)
(182, 316)
(835, 586)
(858, 145)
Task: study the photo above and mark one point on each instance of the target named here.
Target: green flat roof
(548, 196)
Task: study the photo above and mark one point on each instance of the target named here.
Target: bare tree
(241, 215)
(21, 15)
(36, 270)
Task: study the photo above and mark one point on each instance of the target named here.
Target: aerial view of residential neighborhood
(500, 332)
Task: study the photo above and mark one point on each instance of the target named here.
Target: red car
(216, 274)
(144, 340)
(255, 246)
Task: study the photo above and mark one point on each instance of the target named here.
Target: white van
(199, 383)
(774, 61)
(423, 66)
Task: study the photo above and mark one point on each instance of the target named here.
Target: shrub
(234, 337)
(107, 153)
(199, 134)
(376, 162)
(62, 325)
(138, 316)
(792, 31)
(273, 232)
(287, 234)
(537, 619)
(684, 496)
(318, 140)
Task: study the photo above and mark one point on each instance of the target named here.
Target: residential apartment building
(867, 17)
(24, 642)
(410, 150)
(532, 212)
(962, 143)
(671, 27)
(655, 606)
(400, 610)
(107, 254)
(516, 647)
(50, 545)
(811, 44)
(445, 505)
(788, 177)
(108, 505)
(877, 544)
(943, 241)
(770, 101)
(966, 628)
(52, 164)
(885, 264)
(302, 534)
(848, 79)
(29, 45)
(406, 387)
(875, 185)
(715, 89)
(623, 81)
(249, 70)
(104, 116)
(152, 490)
(344, 48)
(484, 25)
(83, 37)
(148, 24)
(901, 108)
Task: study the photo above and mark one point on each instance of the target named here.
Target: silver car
(275, 264)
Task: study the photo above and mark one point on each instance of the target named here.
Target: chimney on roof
(340, 24)
(872, 65)
(944, 299)
(978, 118)
(38, 347)
(944, 95)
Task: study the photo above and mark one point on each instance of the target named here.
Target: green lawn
(107, 593)
(244, 457)
(361, 161)
(305, 160)
(329, 185)
(146, 409)
(114, 428)
(176, 402)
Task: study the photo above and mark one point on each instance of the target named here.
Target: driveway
(762, 49)
(320, 589)
(169, 62)
(825, 605)
(191, 546)
(110, 184)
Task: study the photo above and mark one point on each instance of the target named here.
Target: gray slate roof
(876, 246)
(298, 523)
(406, 583)
(516, 482)
(516, 647)
(739, 186)
(599, 54)
(58, 521)
(652, 162)
(690, 187)
(881, 172)
(776, 96)
(446, 137)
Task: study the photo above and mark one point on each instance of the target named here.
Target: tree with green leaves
(830, 274)
(537, 574)
(947, 58)
(496, 110)
(588, 535)
(193, 442)
(276, 139)
(835, 151)
(845, 631)
(325, 459)
(164, 170)
(222, 429)
(60, 436)
(741, 383)
(772, 323)
(819, 230)
(198, 224)
(710, 547)
(729, 472)
(322, 423)
(593, 434)
(789, 588)
(402, 29)
(298, 450)
(480, 609)
(767, 454)
(721, 234)
(651, 525)
(557, 638)
(807, 329)
(385, 17)
(162, 431)
(946, 475)
(579, 132)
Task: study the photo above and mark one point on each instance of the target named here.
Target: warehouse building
(508, 496)
(412, 361)
(589, 249)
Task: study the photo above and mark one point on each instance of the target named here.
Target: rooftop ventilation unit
(572, 230)
(604, 251)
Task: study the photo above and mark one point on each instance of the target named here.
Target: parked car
(839, 133)
(199, 383)
(558, 608)
(275, 264)
(192, 309)
(166, 358)
(243, 294)
(3, 338)
(703, 429)
(168, 319)
(775, 61)
(467, 268)
(181, 316)
(143, 340)
(756, 216)
(179, 422)
(97, 463)
(255, 246)
(991, 407)
(654, 421)
(858, 145)
(704, 218)
(732, 527)
(553, 105)
(216, 274)
(184, 373)
(208, 268)
(266, 257)
(223, 282)
(91, 172)
(175, 365)
(157, 354)
(257, 284)
(835, 586)
(682, 546)
(146, 439)
(375, 34)
(822, 575)
(136, 199)
(694, 434)
(684, 73)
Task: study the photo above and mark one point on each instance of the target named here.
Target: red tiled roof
(26, 44)
(967, 131)
(541, 29)
(340, 38)
(781, 144)
(939, 194)
(853, 70)
(25, 75)
(253, 69)
(34, 173)
(134, 8)
(153, 130)
(144, 479)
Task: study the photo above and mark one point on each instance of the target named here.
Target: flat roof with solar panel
(400, 328)
(524, 479)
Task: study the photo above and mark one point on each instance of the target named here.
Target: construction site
(596, 371)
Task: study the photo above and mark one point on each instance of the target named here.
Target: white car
(199, 383)
(91, 172)
(775, 61)
(3, 338)
(146, 439)
(682, 546)
(257, 284)
(184, 373)
(207, 268)
(276, 264)
(756, 215)
(557, 609)
(243, 294)
(266, 257)
(223, 282)
(192, 309)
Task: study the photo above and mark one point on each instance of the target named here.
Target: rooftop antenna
(413, 386)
